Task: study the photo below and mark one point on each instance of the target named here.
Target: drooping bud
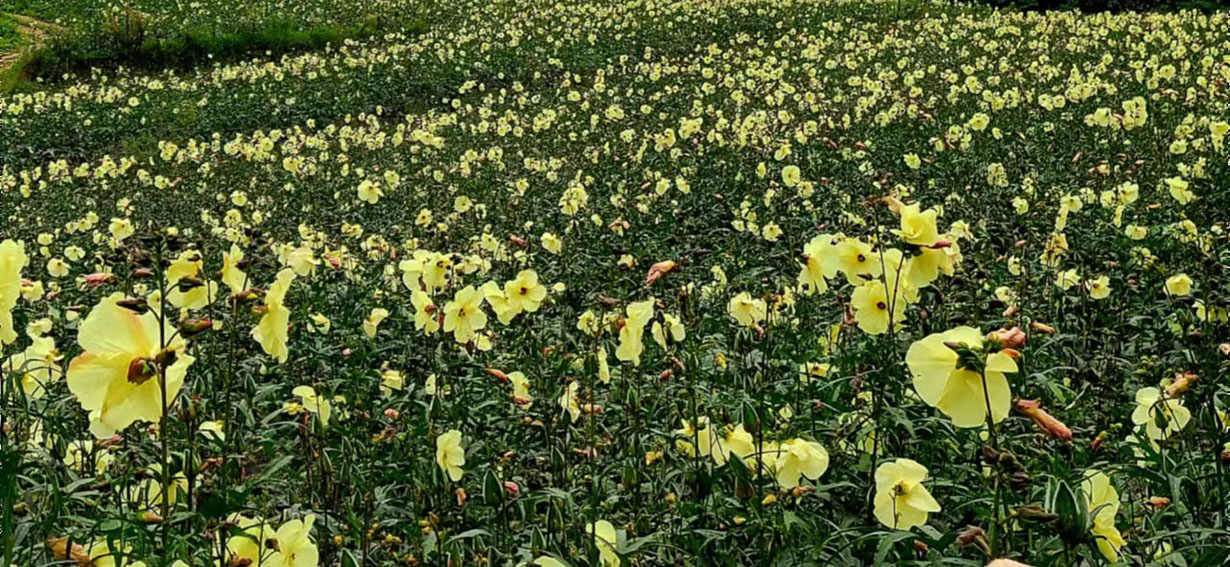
(1045, 421)
(658, 270)
(193, 327)
(99, 278)
(1010, 338)
(140, 370)
(134, 304)
(61, 550)
(1035, 513)
(975, 536)
(1041, 328)
(498, 374)
(1181, 384)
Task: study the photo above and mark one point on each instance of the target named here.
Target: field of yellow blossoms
(597, 283)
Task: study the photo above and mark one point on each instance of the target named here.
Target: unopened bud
(1010, 338)
(99, 278)
(1041, 328)
(974, 536)
(1181, 384)
(1045, 421)
(1158, 502)
(134, 304)
(1035, 513)
(191, 327)
(498, 374)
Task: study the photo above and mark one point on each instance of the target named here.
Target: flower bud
(658, 270)
(1010, 338)
(99, 278)
(498, 374)
(1045, 421)
(135, 304)
(975, 536)
(1041, 328)
(1035, 513)
(192, 327)
(1158, 502)
(1181, 384)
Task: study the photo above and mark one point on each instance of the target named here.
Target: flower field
(649, 283)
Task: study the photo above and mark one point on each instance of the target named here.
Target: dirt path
(34, 31)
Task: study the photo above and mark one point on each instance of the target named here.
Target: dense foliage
(588, 283)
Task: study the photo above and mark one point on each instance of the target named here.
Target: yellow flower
(913, 161)
(944, 381)
(791, 175)
(820, 255)
(1178, 190)
(464, 316)
(524, 293)
(38, 366)
(1179, 285)
(695, 439)
(121, 229)
(424, 312)
(798, 458)
(1162, 417)
(552, 243)
(272, 331)
(57, 268)
(735, 441)
(372, 322)
(449, 454)
(117, 378)
(917, 226)
(184, 289)
(294, 545)
(1066, 279)
(232, 276)
(314, 403)
(1103, 505)
(12, 260)
(302, 261)
(747, 311)
(901, 501)
(605, 539)
(1099, 288)
(521, 389)
(369, 192)
(390, 381)
(874, 309)
(632, 333)
(671, 327)
(246, 547)
(854, 259)
(569, 401)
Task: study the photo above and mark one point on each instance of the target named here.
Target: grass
(74, 55)
(9, 36)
